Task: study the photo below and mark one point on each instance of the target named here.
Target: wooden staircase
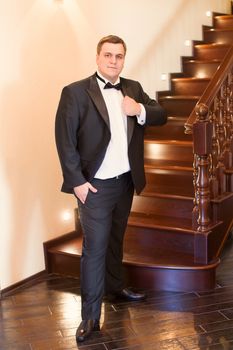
(177, 227)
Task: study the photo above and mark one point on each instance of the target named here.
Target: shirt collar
(102, 84)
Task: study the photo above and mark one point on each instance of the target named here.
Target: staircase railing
(211, 123)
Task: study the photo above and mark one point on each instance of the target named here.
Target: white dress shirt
(116, 160)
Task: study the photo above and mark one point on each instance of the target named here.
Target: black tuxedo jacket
(82, 131)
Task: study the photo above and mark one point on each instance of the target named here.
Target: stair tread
(194, 79)
(177, 117)
(167, 260)
(72, 246)
(156, 194)
(193, 60)
(188, 143)
(219, 30)
(224, 17)
(161, 222)
(168, 164)
(179, 97)
(173, 117)
(213, 45)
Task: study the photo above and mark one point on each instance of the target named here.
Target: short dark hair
(113, 39)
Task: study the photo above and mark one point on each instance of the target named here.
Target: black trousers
(103, 219)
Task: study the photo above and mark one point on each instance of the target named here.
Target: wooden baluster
(195, 212)
(230, 77)
(220, 169)
(214, 188)
(228, 150)
(202, 136)
(204, 193)
(230, 114)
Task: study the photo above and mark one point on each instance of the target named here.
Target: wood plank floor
(45, 315)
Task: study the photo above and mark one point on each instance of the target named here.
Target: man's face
(110, 61)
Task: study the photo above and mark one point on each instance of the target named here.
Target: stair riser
(170, 183)
(209, 53)
(223, 23)
(179, 208)
(168, 152)
(63, 264)
(195, 88)
(203, 70)
(178, 107)
(172, 279)
(222, 37)
(171, 130)
(143, 241)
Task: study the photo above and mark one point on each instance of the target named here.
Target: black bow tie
(109, 85)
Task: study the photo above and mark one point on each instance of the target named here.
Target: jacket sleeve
(155, 113)
(66, 127)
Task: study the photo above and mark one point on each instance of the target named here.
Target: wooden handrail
(212, 89)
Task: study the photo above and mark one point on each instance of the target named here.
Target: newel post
(202, 146)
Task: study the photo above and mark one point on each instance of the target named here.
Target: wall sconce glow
(208, 13)
(163, 76)
(187, 42)
(66, 215)
(201, 74)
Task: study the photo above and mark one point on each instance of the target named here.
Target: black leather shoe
(129, 295)
(85, 329)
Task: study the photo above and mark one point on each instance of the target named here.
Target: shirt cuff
(142, 116)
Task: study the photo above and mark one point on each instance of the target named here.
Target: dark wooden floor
(44, 316)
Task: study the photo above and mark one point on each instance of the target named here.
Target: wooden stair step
(155, 221)
(168, 164)
(163, 205)
(172, 182)
(147, 233)
(200, 68)
(223, 22)
(179, 104)
(189, 85)
(168, 150)
(210, 51)
(221, 36)
(71, 246)
(168, 167)
(174, 129)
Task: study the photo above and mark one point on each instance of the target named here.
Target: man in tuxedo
(100, 126)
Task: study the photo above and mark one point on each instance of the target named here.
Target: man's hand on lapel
(130, 106)
(81, 191)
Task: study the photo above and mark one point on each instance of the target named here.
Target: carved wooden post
(228, 160)
(220, 169)
(214, 188)
(202, 137)
(195, 213)
(230, 108)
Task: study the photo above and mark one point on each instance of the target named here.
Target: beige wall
(46, 44)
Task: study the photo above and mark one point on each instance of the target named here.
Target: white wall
(46, 44)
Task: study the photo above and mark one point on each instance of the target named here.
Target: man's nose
(113, 59)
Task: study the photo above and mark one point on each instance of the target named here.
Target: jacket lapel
(97, 98)
(127, 91)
